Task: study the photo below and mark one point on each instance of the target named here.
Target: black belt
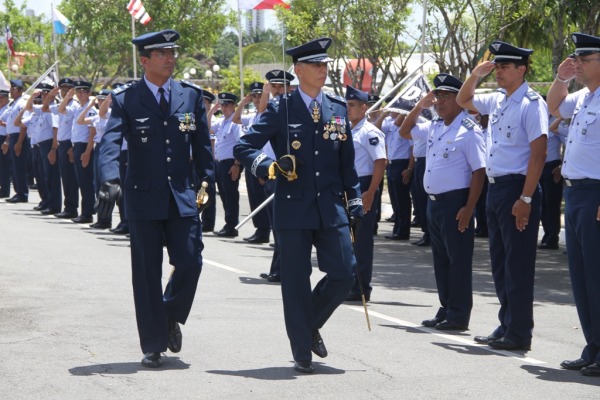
(445, 195)
(582, 182)
(506, 178)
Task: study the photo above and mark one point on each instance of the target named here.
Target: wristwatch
(526, 199)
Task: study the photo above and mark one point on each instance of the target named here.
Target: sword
(256, 211)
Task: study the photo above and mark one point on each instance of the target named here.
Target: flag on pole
(407, 99)
(9, 41)
(261, 4)
(60, 22)
(137, 9)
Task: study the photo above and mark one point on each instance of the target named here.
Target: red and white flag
(261, 4)
(137, 9)
(9, 41)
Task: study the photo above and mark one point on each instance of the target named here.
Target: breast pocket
(587, 127)
(507, 128)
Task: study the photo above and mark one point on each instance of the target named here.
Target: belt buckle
(491, 179)
(432, 197)
(568, 182)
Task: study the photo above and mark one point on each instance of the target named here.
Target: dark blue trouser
(37, 173)
(452, 256)
(480, 213)
(229, 192)
(85, 179)
(184, 245)
(256, 196)
(122, 174)
(67, 175)
(420, 195)
(305, 310)
(269, 189)
(551, 203)
(512, 254)
(5, 171)
(19, 165)
(51, 176)
(399, 197)
(583, 251)
(97, 183)
(364, 243)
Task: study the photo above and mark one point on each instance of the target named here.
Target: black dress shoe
(575, 364)
(446, 325)
(66, 215)
(48, 211)
(355, 296)
(397, 237)
(507, 344)
(152, 360)
(548, 246)
(305, 367)
(430, 323)
(101, 225)
(83, 219)
(422, 242)
(120, 230)
(264, 275)
(257, 239)
(175, 337)
(252, 237)
(274, 278)
(39, 207)
(591, 370)
(486, 339)
(318, 346)
(16, 199)
(227, 233)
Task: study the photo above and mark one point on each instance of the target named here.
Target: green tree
(230, 81)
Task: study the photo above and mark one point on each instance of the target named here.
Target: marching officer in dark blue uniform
(516, 152)
(454, 177)
(311, 137)
(164, 122)
(582, 194)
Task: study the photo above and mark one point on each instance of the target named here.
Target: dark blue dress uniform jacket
(161, 155)
(325, 167)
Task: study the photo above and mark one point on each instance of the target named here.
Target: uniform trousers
(420, 195)
(583, 251)
(399, 197)
(229, 192)
(85, 179)
(304, 310)
(97, 183)
(19, 165)
(269, 189)
(121, 201)
(67, 175)
(5, 171)
(512, 254)
(50, 176)
(364, 243)
(551, 203)
(256, 196)
(452, 255)
(37, 172)
(154, 309)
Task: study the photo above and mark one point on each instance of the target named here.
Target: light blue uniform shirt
(397, 147)
(3, 128)
(555, 141)
(369, 145)
(65, 122)
(453, 153)
(515, 122)
(10, 115)
(39, 125)
(583, 143)
(79, 133)
(226, 136)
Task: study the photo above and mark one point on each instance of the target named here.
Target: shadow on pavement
(124, 368)
(560, 375)
(278, 373)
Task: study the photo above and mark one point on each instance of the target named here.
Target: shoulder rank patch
(468, 123)
(533, 96)
(374, 141)
(121, 89)
(335, 98)
(185, 83)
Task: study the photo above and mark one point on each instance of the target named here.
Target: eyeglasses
(256, 95)
(579, 60)
(444, 96)
(162, 54)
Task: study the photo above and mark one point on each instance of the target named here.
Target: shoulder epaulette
(121, 89)
(468, 123)
(533, 96)
(185, 83)
(337, 98)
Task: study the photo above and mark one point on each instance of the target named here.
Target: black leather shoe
(257, 239)
(48, 211)
(252, 237)
(274, 278)
(39, 207)
(264, 275)
(575, 364)
(83, 219)
(357, 297)
(305, 367)
(430, 323)
(397, 237)
(506, 344)
(16, 199)
(422, 242)
(66, 215)
(591, 370)
(101, 225)
(486, 339)
(152, 360)
(175, 337)
(318, 346)
(548, 246)
(446, 325)
(120, 230)
(227, 233)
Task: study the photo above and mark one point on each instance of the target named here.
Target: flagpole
(240, 51)
(133, 48)
(7, 51)
(54, 40)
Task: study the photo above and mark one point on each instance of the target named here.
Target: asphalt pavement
(67, 326)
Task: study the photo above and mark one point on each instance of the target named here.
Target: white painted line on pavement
(219, 265)
(454, 338)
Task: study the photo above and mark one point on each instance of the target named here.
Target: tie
(164, 104)
(316, 111)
